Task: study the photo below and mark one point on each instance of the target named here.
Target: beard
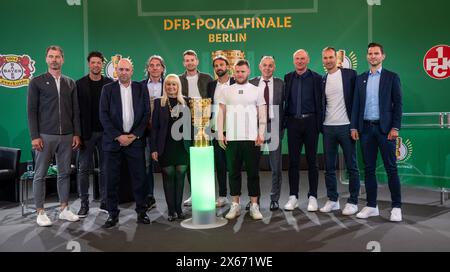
(221, 73)
(241, 81)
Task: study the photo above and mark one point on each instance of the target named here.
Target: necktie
(299, 98)
(266, 97)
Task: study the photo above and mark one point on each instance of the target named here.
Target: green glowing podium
(203, 191)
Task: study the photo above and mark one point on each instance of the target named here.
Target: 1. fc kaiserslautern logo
(16, 71)
(404, 149)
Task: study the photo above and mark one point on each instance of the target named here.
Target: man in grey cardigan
(54, 124)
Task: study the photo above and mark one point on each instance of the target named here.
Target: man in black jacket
(89, 90)
(53, 120)
(303, 120)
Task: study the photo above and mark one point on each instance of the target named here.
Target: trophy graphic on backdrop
(203, 190)
(340, 58)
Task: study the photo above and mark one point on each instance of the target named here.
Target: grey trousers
(86, 165)
(275, 166)
(61, 145)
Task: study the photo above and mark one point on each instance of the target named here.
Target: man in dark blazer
(194, 84)
(153, 84)
(376, 119)
(274, 95)
(89, 89)
(220, 66)
(124, 113)
(337, 98)
(303, 122)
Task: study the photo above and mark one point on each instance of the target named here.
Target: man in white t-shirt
(223, 81)
(242, 110)
(337, 89)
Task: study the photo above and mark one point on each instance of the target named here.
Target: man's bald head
(125, 70)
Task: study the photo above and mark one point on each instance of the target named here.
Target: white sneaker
(291, 204)
(367, 212)
(396, 215)
(350, 209)
(312, 204)
(330, 206)
(188, 202)
(43, 220)
(235, 210)
(66, 214)
(254, 212)
(221, 201)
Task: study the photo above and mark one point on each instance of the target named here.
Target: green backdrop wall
(140, 28)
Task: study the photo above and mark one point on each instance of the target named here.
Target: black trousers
(173, 183)
(303, 132)
(237, 154)
(135, 159)
(220, 161)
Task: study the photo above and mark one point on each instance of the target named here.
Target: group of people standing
(139, 122)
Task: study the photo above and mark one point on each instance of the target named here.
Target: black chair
(9, 173)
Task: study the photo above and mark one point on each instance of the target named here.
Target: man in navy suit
(124, 114)
(376, 119)
(153, 84)
(303, 121)
(338, 86)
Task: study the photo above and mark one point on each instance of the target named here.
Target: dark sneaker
(151, 203)
(84, 210)
(103, 208)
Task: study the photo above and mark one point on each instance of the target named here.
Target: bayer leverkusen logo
(437, 62)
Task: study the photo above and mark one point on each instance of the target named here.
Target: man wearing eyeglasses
(124, 114)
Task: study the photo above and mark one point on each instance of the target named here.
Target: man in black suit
(153, 84)
(376, 118)
(220, 65)
(273, 89)
(124, 113)
(89, 89)
(337, 91)
(303, 121)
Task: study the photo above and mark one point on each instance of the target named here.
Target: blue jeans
(373, 139)
(333, 136)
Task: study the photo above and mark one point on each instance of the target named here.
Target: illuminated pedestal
(203, 191)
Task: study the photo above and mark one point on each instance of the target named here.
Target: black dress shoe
(171, 217)
(143, 218)
(111, 222)
(181, 216)
(151, 203)
(274, 205)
